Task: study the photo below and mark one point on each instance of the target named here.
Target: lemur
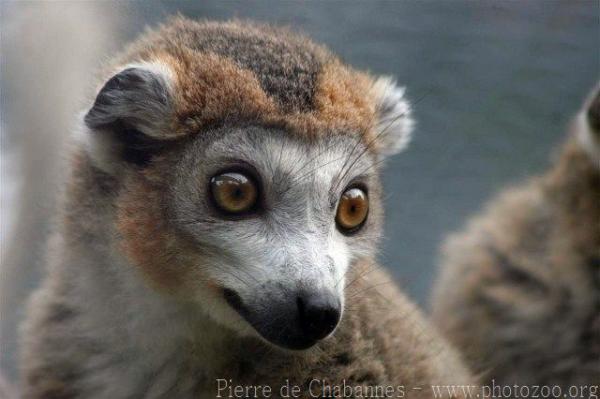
(220, 223)
(519, 291)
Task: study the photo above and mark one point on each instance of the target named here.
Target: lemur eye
(352, 210)
(233, 192)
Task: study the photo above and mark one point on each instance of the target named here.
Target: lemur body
(519, 290)
(153, 291)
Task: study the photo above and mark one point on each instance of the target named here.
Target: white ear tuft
(587, 126)
(395, 124)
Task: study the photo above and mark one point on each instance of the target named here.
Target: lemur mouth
(295, 325)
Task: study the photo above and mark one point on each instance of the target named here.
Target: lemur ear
(395, 124)
(587, 125)
(131, 115)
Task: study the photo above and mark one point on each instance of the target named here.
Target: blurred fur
(519, 291)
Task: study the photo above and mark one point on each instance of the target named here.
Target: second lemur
(519, 291)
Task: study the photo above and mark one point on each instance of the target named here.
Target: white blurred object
(50, 52)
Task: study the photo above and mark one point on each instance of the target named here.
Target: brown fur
(227, 81)
(145, 236)
(519, 291)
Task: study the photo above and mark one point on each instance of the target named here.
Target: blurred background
(494, 85)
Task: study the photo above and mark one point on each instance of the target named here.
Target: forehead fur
(242, 73)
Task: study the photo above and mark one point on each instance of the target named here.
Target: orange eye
(352, 210)
(233, 192)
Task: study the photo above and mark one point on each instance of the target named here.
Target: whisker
(358, 141)
(298, 170)
(368, 146)
(310, 173)
(371, 288)
(381, 134)
(362, 275)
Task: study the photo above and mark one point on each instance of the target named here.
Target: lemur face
(276, 222)
(248, 165)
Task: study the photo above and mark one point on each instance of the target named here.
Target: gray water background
(494, 84)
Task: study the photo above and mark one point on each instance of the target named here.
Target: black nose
(319, 314)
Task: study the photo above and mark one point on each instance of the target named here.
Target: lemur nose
(319, 314)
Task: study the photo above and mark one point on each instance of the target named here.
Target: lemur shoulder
(221, 222)
(519, 291)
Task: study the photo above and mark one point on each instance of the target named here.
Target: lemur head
(247, 160)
